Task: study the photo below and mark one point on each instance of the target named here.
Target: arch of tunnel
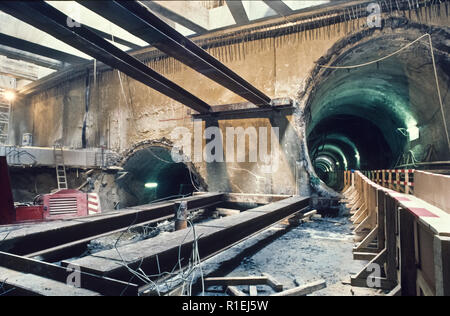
(373, 116)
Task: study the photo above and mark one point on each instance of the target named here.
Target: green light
(151, 185)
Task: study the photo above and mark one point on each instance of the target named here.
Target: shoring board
(15, 283)
(163, 250)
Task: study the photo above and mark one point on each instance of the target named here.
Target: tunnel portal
(151, 175)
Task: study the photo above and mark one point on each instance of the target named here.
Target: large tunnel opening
(376, 115)
(150, 175)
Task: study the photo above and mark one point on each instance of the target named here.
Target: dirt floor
(317, 250)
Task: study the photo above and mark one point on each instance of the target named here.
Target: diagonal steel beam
(40, 50)
(113, 38)
(138, 20)
(279, 7)
(237, 11)
(16, 54)
(45, 17)
(157, 8)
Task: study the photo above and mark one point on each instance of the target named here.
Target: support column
(442, 265)
(408, 268)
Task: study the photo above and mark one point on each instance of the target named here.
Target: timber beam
(102, 285)
(168, 252)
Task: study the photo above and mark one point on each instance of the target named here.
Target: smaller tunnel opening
(344, 142)
(150, 175)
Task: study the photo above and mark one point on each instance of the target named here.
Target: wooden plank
(442, 265)
(309, 214)
(227, 281)
(381, 210)
(384, 283)
(366, 241)
(254, 198)
(234, 291)
(303, 290)
(213, 237)
(60, 252)
(423, 286)
(227, 212)
(408, 269)
(273, 283)
(433, 188)
(365, 256)
(391, 240)
(17, 283)
(396, 291)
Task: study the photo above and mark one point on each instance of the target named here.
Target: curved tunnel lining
(151, 175)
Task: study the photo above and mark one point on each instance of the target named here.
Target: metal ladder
(61, 175)
(5, 112)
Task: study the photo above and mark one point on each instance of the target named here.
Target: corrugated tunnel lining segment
(214, 237)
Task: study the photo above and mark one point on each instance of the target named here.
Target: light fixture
(151, 185)
(9, 95)
(413, 132)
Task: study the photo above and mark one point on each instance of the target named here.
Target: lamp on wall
(9, 95)
(413, 132)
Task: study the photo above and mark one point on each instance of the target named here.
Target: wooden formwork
(405, 236)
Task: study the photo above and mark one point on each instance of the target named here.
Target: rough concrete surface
(310, 252)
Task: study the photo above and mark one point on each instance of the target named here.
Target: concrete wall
(125, 112)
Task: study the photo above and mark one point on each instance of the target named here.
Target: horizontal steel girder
(40, 50)
(50, 20)
(138, 20)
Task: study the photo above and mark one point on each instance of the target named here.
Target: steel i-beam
(138, 20)
(50, 20)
